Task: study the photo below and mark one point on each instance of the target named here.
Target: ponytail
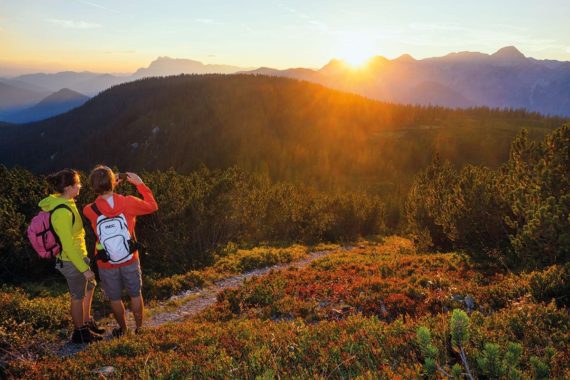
(59, 181)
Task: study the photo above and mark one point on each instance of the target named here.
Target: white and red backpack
(113, 234)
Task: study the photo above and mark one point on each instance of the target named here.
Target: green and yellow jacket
(71, 235)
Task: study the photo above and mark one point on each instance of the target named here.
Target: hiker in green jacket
(72, 262)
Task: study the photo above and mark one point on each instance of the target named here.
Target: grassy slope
(345, 315)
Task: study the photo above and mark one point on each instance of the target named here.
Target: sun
(356, 50)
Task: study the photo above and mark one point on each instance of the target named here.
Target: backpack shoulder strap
(96, 209)
(65, 207)
(57, 239)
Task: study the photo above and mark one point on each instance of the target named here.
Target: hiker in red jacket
(113, 218)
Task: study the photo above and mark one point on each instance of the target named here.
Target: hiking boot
(84, 335)
(118, 332)
(93, 327)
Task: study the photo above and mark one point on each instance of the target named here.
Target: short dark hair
(59, 181)
(102, 179)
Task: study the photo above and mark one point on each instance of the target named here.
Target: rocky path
(199, 299)
(195, 300)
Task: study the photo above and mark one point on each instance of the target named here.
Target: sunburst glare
(356, 49)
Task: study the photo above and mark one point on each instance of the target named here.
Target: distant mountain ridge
(54, 104)
(504, 79)
(19, 94)
(165, 66)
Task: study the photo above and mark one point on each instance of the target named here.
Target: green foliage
(475, 221)
(457, 371)
(198, 214)
(427, 206)
(552, 283)
(515, 217)
(541, 370)
(245, 260)
(28, 325)
(459, 326)
(39, 312)
(490, 361)
(537, 182)
(428, 350)
(20, 192)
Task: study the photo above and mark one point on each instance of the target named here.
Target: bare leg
(87, 305)
(119, 311)
(137, 306)
(77, 313)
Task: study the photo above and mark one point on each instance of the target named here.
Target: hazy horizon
(110, 37)
(144, 65)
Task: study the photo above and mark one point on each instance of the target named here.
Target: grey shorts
(77, 283)
(114, 280)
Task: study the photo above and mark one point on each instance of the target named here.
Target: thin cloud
(311, 21)
(72, 24)
(441, 28)
(294, 11)
(248, 29)
(207, 21)
(321, 26)
(97, 6)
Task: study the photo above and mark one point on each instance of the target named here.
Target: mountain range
(504, 79)
(19, 96)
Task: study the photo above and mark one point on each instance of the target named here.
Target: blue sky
(123, 35)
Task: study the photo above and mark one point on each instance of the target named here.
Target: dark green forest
(290, 130)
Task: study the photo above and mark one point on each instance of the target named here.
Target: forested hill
(290, 129)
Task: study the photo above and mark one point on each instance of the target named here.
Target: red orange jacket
(130, 207)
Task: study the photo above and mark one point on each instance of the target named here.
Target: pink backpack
(42, 235)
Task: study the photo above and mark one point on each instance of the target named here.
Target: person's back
(118, 267)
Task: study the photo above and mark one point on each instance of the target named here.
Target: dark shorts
(76, 282)
(114, 280)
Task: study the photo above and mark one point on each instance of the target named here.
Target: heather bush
(28, 326)
(375, 280)
(355, 347)
(230, 262)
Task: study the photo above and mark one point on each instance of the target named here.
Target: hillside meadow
(351, 314)
(460, 221)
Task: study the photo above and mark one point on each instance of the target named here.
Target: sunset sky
(120, 36)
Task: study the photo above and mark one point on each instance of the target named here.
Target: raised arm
(138, 206)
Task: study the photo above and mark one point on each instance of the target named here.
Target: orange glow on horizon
(356, 50)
